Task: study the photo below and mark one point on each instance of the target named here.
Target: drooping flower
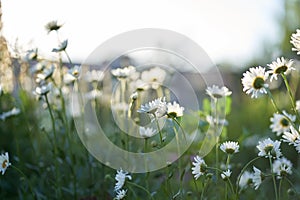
(257, 178)
(174, 110)
(199, 168)
(52, 26)
(254, 81)
(120, 194)
(281, 122)
(282, 167)
(43, 89)
(269, 148)
(154, 77)
(120, 178)
(280, 66)
(291, 136)
(61, 47)
(225, 175)
(4, 162)
(230, 147)
(158, 107)
(123, 72)
(217, 92)
(246, 180)
(295, 40)
(147, 132)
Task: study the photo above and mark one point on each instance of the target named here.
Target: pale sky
(228, 30)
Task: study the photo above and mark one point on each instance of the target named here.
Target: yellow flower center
(4, 165)
(284, 122)
(281, 69)
(258, 83)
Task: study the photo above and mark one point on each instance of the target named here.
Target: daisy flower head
(4, 162)
(269, 148)
(295, 41)
(217, 92)
(52, 26)
(246, 179)
(199, 168)
(225, 175)
(61, 47)
(174, 110)
(257, 178)
(280, 66)
(123, 72)
(157, 107)
(154, 77)
(120, 178)
(230, 147)
(281, 122)
(254, 81)
(120, 194)
(147, 132)
(282, 167)
(291, 136)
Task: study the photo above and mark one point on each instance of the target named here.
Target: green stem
(177, 122)
(140, 187)
(292, 98)
(58, 192)
(30, 186)
(239, 176)
(158, 127)
(273, 101)
(279, 188)
(273, 177)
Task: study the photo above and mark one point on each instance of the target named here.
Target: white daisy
(280, 66)
(120, 194)
(94, 76)
(281, 122)
(269, 148)
(217, 92)
(120, 178)
(230, 147)
(199, 167)
(291, 136)
(295, 40)
(157, 107)
(254, 81)
(225, 175)
(72, 75)
(174, 110)
(4, 162)
(43, 89)
(298, 105)
(246, 179)
(257, 178)
(123, 72)
(282, 167)
(147, 132)
(46, 73)
(154, 77)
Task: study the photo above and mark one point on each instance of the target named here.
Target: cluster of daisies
(120, 178)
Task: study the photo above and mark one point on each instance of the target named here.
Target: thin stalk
(140, 187)
(292, 98)
(57, 173)
(158, 127)
(273, 101)
(273, 177)
(279, 188)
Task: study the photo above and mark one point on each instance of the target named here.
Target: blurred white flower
(93, 94)
(282, 167)
(174, 110)
(157, 107)
(61, 47)
(46, 73)
(257, 178)
(123, 72)
(72, 75)
(12, 112)
(298, 105)
(254, 81)
(94, 76)
(213, 121)
(43, 89)
(120, 194)
(290, 136)
(269, 148)
(295, 40)
(280, 66)
(4, 162)
(217, 92)
(225, 175)
(147, 132)
(52, 26)
(199, 167)
(246, 180)
(230, 147)
(120, 179)
(32, 54)
(154, 77)
(281, 122)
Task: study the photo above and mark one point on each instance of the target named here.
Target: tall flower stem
(158, 127)
(57, 173)
(292, 98)
(142, 188)
(273, 177)
(273, 101)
